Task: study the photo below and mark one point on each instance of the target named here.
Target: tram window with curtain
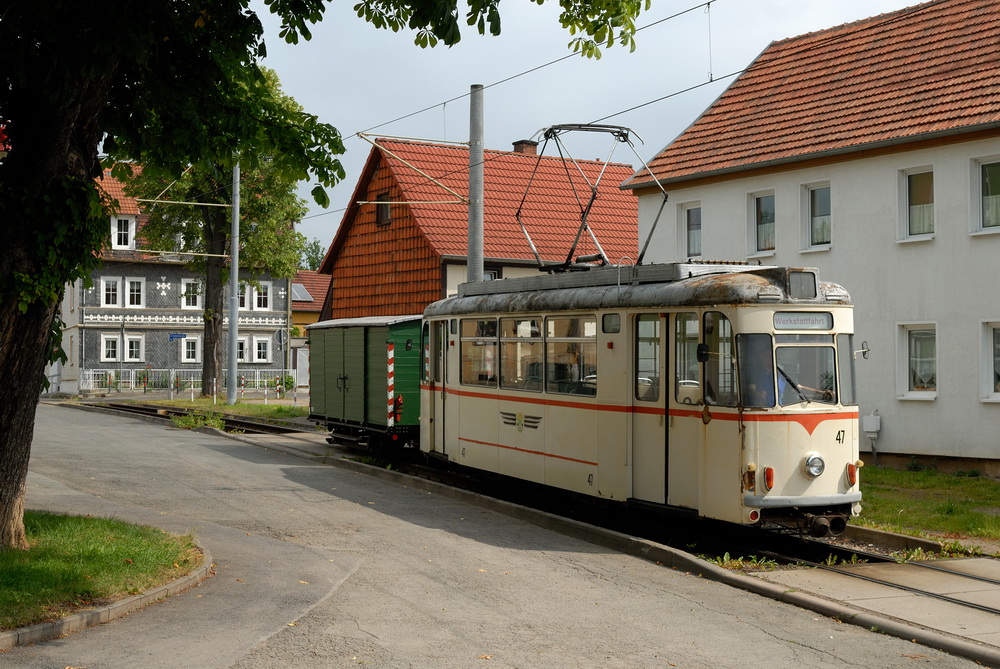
(647, 357)
(479, 352)
(720, 369)
(571, 355)
(521, 354)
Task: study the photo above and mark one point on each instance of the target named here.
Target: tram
(725, 390)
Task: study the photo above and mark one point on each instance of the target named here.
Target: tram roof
(363, 321)
(647, 286)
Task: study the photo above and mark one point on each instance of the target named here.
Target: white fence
(143, 379)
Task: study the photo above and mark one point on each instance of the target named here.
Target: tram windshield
(797, 371)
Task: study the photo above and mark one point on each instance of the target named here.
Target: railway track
(231, 423)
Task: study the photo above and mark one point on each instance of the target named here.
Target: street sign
(177, 335)
(281, 337)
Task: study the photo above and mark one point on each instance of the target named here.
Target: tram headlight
(814, 465)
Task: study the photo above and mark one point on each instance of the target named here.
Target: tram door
(437, 359)
(649, 393)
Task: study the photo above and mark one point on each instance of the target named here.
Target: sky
(362, 79)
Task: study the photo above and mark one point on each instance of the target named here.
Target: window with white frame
(817, 229)
(190, 349)
(762, 215)
(123, 233)
(135, 348)
(135, 292)
(110, 291)
(918, 361)
(241, 349)
(918, 204)
(109, 347)
(262, 349)
(989, 195)
(262, 296)
(691, 221)
(991, 361)
(190, 294)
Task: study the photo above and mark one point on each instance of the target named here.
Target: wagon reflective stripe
(391, 394)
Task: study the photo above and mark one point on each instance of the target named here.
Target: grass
(76, 562)
(927, 501)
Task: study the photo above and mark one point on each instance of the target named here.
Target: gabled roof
(433, 180)
(918, 73)
(126, 206)
(315, 284)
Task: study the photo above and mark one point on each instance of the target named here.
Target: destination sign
(803, 320)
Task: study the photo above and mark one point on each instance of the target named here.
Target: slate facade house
(403, 242)
(871, 151)
(309, 289)
(138, 324)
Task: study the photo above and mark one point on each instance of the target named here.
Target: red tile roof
(317, 284)
(433, 179)
(115, 190)
(924, 71)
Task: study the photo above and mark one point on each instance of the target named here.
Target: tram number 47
(840, 437)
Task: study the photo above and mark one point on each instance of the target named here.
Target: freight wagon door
(352, 385)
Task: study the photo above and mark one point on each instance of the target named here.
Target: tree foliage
(169, 83)
(312, 255)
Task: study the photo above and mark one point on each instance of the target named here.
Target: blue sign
(176, 335)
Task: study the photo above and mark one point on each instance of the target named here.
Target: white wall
(949, 280)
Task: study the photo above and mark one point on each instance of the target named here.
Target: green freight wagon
(364, 380)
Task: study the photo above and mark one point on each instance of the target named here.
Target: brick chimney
(526, 146)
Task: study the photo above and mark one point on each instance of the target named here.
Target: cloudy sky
(361, 79)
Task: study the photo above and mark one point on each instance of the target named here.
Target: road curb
(99, 615)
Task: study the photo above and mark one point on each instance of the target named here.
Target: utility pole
(234, 292)
(475, 250)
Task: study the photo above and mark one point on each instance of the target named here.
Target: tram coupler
(825, 526)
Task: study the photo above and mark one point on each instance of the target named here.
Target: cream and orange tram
(725, 390)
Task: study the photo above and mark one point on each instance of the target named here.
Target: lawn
(926, 501)
(76, 562)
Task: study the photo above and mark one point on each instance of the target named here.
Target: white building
(872, 152)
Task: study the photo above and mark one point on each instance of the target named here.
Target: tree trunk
(216, 236)
(23, 346)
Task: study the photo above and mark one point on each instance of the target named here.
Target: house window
(819, 216)
(263, 297)
(692, 230)
(243, 296)
(261, 349)
(123, 233)
(191, 349)
(241, 349)
(110, 291)
(190, 294)
(762, 217)
(109, 347)
(989, 175)
(919, 208)
(136, 290)
(918, 361)
(991, 362)
(135, 348)
(383, 213)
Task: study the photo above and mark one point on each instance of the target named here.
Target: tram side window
(686, 339)
(479, 352)
(720, 370)
(845, 353)
(521, 354)
(571, 355)
(647, 357)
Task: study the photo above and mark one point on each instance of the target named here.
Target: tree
(269, 208)
(312, 255)
(169, 83)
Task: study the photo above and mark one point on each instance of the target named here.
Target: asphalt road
(318, 566)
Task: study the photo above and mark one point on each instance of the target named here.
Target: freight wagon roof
(750, 285)
(363, 321)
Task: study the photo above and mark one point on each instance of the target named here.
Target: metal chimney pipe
(475, 252)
